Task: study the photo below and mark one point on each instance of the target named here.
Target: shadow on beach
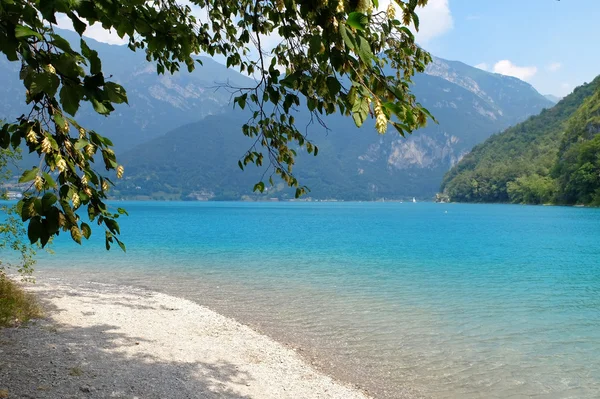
(51, 360)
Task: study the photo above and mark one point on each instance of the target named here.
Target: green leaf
(45, 235)
(29, 175)
(4, 137)
(15, 140)
(125, 28)
(348, 37)
(70, 96)
(121, 244)
(47, 8)
(37, 205)
(260, 186)
(113, 226)
(34, 230)
(51, 223)
(25, 209)
(394, 108)
(406, 31)
(357, 20)
(314, 44)
(76, 234)
(333, 85)
(61, 43)
(78, 24)
(49, 180)
(25, 31)
(86, 230)
(241, 100)
(58, 119)
(360, 111)
(116, 93)
(415, 19)
(400, 128)
(100, 108)
(68, 65)
(92, 56)
(44, 82)
(80, 144)
(364, 49)
(48, 200)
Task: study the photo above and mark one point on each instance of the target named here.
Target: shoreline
(104, 340)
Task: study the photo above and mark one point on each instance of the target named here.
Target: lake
(441, 300)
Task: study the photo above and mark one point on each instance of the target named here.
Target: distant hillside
(199, 160)
(547, 159)
(510, 98)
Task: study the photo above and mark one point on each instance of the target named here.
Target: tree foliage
(577, 170)
(332, 56)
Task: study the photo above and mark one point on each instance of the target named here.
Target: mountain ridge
(352, 163)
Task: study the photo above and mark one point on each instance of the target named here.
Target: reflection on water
(479, 302)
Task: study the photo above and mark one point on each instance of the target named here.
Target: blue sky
(551, 44)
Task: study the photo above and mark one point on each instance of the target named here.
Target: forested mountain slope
(577, 170)
(546, 159)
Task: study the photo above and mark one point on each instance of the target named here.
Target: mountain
(509, 99)
(547, 159)
(157, 104)
(577, 169)
(469, 104)
(554, 99)
(199, 160)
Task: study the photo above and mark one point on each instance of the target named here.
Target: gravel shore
(107, 341)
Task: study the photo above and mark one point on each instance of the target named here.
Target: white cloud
(435, 19)
(506, 67)
(483, 66)
(553, 67)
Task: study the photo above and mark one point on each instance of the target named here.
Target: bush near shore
(16, 305)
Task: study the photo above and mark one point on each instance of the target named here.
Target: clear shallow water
(449, 300)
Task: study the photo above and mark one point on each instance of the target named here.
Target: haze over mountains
(553, 98)
(180, 138)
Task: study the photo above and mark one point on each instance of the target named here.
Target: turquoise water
(439, 300)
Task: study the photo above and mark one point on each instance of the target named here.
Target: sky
(551, 44)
